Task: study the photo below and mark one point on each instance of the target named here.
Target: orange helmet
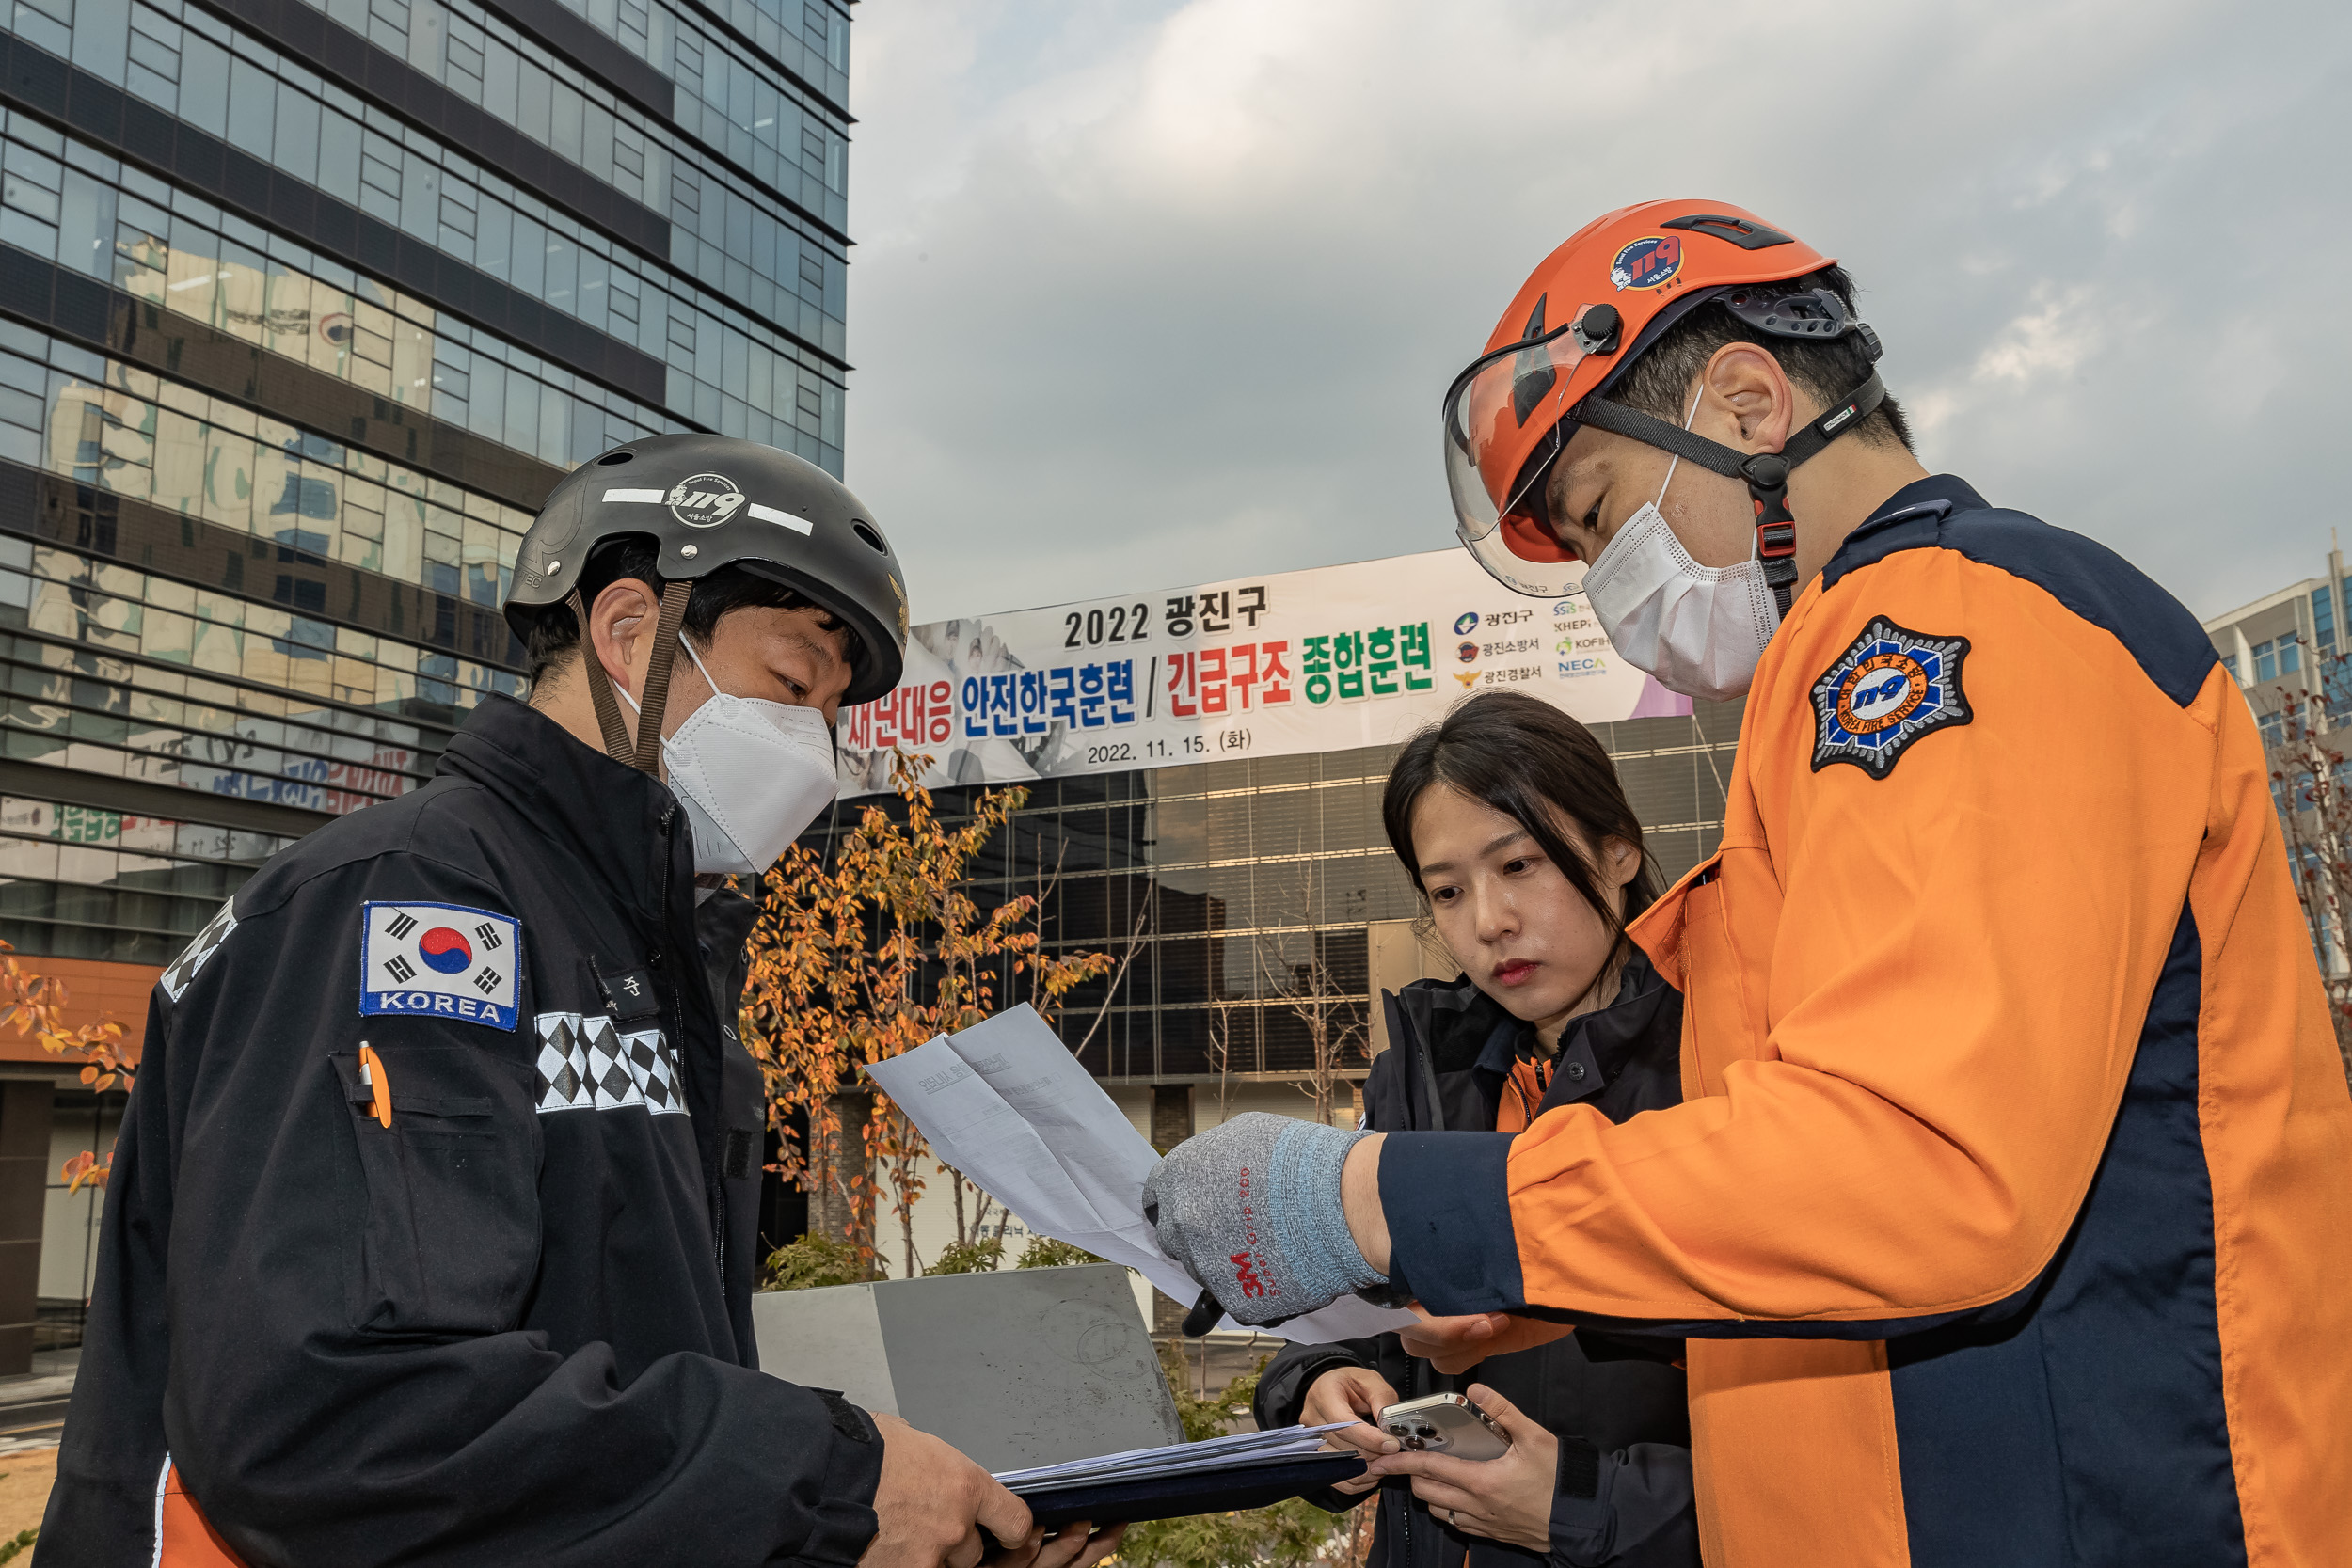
(1581, 317)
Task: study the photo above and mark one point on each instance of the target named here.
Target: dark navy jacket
(1626, 1498)
(513, 1326)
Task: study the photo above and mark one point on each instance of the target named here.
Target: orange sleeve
(1912, 1000)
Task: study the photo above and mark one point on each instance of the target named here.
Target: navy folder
(1134, 1498)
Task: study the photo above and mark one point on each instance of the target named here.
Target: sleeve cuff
(841, 1520)
(1448, 1200)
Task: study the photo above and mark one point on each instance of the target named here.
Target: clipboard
(1132, 1500)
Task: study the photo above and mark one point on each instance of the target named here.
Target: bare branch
(1110, 994)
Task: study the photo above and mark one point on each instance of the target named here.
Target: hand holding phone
(1506, 1499)
(1447, 1424)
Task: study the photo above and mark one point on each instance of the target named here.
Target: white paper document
(1007, 1105)
(1241, 1450)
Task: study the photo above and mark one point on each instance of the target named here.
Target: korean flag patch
(1882, 694)
(440, 958)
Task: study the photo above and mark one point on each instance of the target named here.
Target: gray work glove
(1252, 1211)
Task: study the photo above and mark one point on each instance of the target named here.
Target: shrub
(811, 1263)
(974, 1256)
(1043, 1252)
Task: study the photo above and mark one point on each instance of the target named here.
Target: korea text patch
(1882, 694)
(442, 959)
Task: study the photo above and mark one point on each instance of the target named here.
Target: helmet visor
(1503, 418)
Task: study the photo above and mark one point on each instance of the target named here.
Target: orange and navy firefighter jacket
(2009, 1212)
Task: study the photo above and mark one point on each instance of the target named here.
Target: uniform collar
(723, 921)
(1595, 1047)
(607, 816)
(1929, 500)
(1907, 519)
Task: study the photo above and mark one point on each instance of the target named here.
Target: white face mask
(1699, 629)
(751, 773)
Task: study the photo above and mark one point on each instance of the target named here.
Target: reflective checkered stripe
(183, 969)
(586, 1064)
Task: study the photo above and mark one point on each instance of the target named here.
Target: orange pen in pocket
(373, 1074)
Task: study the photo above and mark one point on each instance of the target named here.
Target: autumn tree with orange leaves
(857, 961)
(34, 1004)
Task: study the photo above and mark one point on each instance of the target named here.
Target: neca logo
(704, 500)
(1246, 1275)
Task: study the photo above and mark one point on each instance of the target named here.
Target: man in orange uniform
(2009, 1213)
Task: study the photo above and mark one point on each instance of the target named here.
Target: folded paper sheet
(1007, 1105)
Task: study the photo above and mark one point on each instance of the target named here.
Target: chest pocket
(1711, 935)
(446, 1213)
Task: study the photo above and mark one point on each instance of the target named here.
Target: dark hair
(1659, 380)
(1537, 766)
(555, 634)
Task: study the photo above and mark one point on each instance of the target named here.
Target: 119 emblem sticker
(1882, 694)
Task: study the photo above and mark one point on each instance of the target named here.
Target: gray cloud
(1145, 294)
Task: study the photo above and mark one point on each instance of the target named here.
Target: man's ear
(620, 630)
(1749, 399)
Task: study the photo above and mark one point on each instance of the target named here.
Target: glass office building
(304, 306)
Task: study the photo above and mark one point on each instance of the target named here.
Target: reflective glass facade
(1246, 890)
(304, 306)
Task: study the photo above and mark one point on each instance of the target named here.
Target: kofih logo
(704, 500)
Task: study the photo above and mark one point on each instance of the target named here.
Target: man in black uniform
(430, 1234)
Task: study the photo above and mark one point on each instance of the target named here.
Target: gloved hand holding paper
(1007, 1105)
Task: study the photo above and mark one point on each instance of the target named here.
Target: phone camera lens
(1424, 1431)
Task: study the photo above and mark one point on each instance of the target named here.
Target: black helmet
(710, 501)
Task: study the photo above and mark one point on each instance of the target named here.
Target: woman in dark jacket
(1512, 822)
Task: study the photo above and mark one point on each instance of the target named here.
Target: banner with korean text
(1320, 661)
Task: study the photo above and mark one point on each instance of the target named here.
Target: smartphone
(1444, 1423)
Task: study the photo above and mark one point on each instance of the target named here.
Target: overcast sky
(1147, 294)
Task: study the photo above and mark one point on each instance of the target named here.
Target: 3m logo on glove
(440, 958)
(1244, 1266)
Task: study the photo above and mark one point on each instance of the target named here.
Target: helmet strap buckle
(1766, 477)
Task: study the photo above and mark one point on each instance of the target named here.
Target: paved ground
(32, 1416)
(24, 1481)
(31, 1423)
(32, 1407)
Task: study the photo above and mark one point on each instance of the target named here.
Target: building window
(2273, 727)
(2229, 662)
(2265, 662)
(2324, 616)
(2290, 655)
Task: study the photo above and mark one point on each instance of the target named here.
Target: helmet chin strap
(1765, 473)
(646, 753)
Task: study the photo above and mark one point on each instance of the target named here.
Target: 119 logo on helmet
(1649, 263)
(705, 500)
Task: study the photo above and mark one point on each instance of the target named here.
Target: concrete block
(1016, 1368)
